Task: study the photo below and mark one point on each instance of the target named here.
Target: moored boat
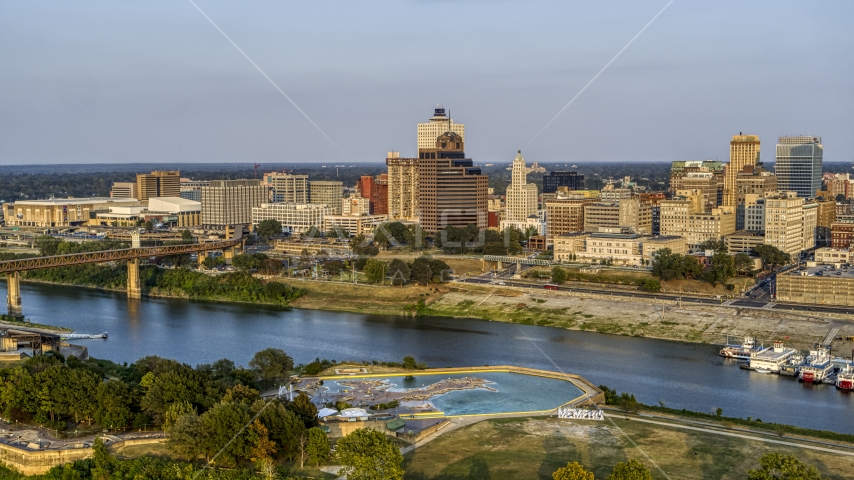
(845, 378)
(817, 367)
(770, 360)
(740, 351)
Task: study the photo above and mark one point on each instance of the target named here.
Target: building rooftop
(823, 271)
(76, 201)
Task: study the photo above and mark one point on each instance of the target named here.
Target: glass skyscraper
(798, 166)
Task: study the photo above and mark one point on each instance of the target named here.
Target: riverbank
(640, 317)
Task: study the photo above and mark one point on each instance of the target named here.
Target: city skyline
(165, 86)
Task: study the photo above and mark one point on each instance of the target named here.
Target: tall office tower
(327, 193)
(123, 190)
(403, 187)
(288, 188)
(375, 189)
(798, 166)
(453, 191)
(570, 180)
(521, 195)
(437, 125)
(159, 183)
(230, 202)
(784, 222)
(743, 150)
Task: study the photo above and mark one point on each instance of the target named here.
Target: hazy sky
(153, 81)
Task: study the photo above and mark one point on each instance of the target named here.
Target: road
(761, 292)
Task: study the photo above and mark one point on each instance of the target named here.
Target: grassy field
(533, 448)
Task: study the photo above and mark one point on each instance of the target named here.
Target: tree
(47, 245)
(420, 271)
(440, 270)
(368, 454)
(305, 410)
(776, 466)
(409, 362)
(712, 244)
(103, 462)
(221, 423)
(722, 269)
(271, 364)
(148, 225)
(362, 246)
(213, 261)
(650, 285)
(271, 266)
(840, 198)
(631, 470)
(375, 270)
(263, 448)
(667, 265)
(318, 445)
(187, 436)
(114, 399)
(572, 471)
(176, 411)
(399, 272)
(186, 236)
(743, 263)
(268, 229)
(558, 275)
(284, 426)
(772, 256)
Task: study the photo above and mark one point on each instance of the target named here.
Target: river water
(682, 375)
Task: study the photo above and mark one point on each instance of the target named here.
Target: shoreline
(660, 320)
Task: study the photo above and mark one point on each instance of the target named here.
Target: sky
(125, 81)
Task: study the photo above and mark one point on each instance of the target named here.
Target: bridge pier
(134, 290)
(13, 296)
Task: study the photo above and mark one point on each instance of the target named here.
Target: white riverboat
(770, 360)
(740, 351)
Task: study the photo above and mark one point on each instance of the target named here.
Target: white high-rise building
(438, 124)
(798, 165)
(521, 195)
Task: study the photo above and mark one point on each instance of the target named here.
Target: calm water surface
(681, 375)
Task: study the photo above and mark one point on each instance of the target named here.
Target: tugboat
(845, 378)
(817, 367)
(741, 352)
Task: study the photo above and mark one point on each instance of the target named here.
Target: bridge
(499, 261)
(13, 268)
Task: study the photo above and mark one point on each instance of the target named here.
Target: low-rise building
(743, 241)
(296, 218)
(828, 255)
(607, 245)
(123, 190)
(60, 212)
(683, 216)
(312, 246)
(354, 224)
(175, 212)
(819, 285)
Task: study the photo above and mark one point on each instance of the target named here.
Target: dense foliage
(772, 256)
(204, 409)
(423, 270)
(470, 239)
(180, 282)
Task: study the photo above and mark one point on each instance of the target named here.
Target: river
(682, 375)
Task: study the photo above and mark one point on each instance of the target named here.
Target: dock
(830, 336)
